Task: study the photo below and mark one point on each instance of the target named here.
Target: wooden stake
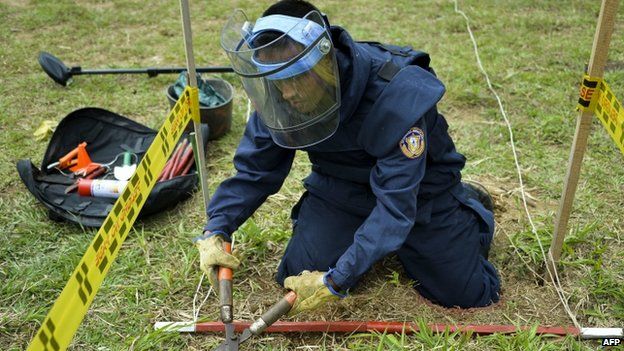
(192, 80)
(597, 62)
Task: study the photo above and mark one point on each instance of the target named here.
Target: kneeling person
(386, 177)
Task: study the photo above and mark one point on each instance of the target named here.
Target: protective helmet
(289, 71)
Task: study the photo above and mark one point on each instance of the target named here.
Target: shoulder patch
(413, 143)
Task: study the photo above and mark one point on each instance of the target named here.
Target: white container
(101, 187)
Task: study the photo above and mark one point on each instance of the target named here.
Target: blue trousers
(446, 256)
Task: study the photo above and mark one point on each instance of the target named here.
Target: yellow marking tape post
(597, 96)
(63, 320)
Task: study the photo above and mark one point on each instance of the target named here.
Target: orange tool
(76, 160)
(225, 289)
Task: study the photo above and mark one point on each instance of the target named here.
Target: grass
(534, 52)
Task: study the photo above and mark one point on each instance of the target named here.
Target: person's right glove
(212, 255)
(312, 289)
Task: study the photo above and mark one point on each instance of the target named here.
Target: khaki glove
(311, 291)
(212, 255)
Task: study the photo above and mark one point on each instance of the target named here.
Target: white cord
(555, 278)
(63, 173)
(248, 110)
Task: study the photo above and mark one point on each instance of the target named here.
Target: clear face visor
(289, 71)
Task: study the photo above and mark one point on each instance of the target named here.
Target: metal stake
(192, 81)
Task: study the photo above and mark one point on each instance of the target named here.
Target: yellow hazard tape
(597, 96)
(63, 320)
(588, 93)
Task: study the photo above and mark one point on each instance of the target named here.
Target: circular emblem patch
(413, 143)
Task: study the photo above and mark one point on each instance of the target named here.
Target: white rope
(248, 110)
(555, 278)
(199, 285)
(196, 310)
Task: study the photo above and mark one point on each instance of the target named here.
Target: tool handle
(96, 173)
(127, 158)
(274, 313)
(64, 161)
(224, 272)
(225, 289)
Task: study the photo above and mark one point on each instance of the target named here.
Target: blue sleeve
(261, 168)
(395, 181)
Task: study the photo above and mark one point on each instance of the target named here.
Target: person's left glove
(212, 255)
(312, 291)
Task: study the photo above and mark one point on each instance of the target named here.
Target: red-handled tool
(225, 289)
(224, 277)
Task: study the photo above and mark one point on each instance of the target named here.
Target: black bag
(107, 135)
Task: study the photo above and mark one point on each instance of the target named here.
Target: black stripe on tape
(43, 337)
(97, 242)
(87, 285)
(584, 103)
(125, 195)
(83, 296)
(148, 160)
(113, 245)
(107, 225)
(165, 147)
(123, 227)
(147, 177)
(590, 83)
(134, 181)
(139, 198)
(85, 289)
(117, 208)
(52, 341)
(131, 212)
(103, 264)
(50, 326)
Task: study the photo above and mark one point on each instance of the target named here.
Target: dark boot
(478, 192)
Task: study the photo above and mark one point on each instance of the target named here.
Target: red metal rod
(178, 158)
(389, 327)
(179, 166)
(173, 159)
(161, 177)
(187, 168)
(164, 175)
(165, 170)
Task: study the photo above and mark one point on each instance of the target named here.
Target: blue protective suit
(365, 198)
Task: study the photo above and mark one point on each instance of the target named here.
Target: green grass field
(535, 53)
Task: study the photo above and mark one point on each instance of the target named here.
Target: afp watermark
(610, 342)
